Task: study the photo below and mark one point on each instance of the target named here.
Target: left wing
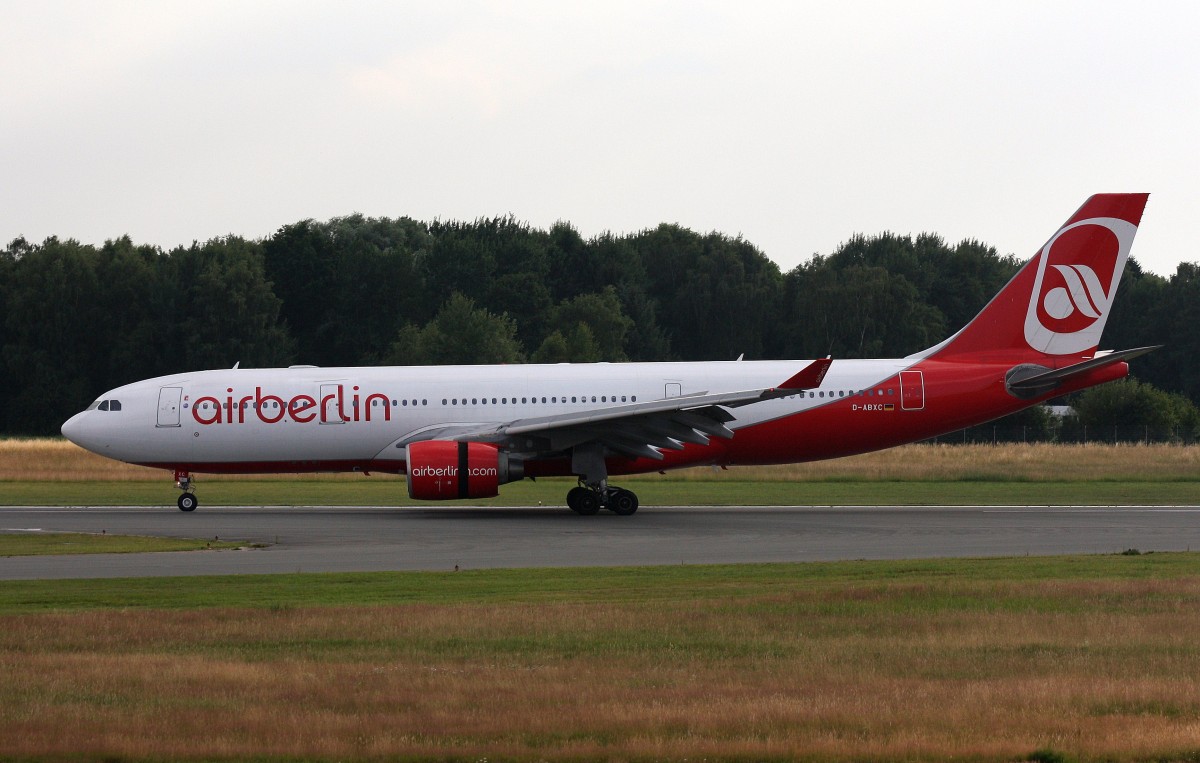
(635, 429)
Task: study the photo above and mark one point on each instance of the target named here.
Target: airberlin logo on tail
(1081, 301)
(1076, 281)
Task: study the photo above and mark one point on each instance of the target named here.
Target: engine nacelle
(439, 470)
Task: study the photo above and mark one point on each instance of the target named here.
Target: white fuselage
(316, 418)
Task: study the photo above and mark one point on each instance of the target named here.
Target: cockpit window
(104, 406)
(115, 405)
(94, 405)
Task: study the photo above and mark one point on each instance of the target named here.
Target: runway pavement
(339, 539)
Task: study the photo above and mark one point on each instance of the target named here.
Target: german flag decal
(889, 406)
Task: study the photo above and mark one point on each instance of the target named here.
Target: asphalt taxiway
(342, 539)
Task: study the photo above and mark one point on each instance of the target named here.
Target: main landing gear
(593, 492)
(187, 501)
(588, 500)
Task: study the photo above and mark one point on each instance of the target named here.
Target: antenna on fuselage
(235, 365)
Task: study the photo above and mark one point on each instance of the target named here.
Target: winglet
(810, 376)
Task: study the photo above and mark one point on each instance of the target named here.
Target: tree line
(78, 319)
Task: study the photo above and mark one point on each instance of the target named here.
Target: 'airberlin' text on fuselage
(271, 409)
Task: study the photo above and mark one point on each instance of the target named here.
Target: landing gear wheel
(583, 501)
(188, 502)
(622, 502)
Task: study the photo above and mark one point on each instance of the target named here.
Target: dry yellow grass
(829, 673)
(1033, 462)
(59, 460)
(56, 460)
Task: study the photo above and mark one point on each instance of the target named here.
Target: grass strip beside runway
(48, 544)
(1093, 657)
(570, 584)
(660, 491)
(54, 472)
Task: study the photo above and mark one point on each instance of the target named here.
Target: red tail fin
(1056, 306)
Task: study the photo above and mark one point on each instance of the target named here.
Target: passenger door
(168, 406)
(912, 390)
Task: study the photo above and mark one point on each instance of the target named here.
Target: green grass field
(577, 585)
(1089, 658)
(652, 492)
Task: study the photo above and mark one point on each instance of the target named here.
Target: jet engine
(439, 470)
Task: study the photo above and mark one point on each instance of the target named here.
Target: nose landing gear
(187, 501)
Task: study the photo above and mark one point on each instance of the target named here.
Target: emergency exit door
(912, 390)
(331, 404)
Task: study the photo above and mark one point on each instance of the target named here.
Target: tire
(583, 501)
(623, 502)
(188, 502)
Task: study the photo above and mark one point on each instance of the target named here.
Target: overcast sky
(794, 125)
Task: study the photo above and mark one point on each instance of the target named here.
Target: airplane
(459, 432)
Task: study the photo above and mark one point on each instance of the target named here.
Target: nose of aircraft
(72, 428)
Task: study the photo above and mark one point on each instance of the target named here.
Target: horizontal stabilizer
(1033, 379)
